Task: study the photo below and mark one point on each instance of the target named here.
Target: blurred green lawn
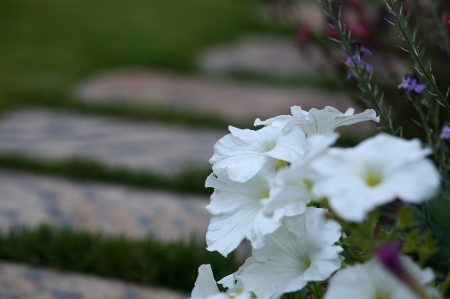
(48, 45)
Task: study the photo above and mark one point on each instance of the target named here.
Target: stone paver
(272, 56)
(56, 135)
(234, 100)
(22, 282)
(27, 199)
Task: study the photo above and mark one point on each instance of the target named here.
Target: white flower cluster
(265, 183)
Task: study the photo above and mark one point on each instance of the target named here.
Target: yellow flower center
(281, 164)
(379, 295)
(372, 178)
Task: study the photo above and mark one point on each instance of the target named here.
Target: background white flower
(237, 211)
(377, 171)
(301, 250)
(319, 121)
(371, 280)
(244, 152)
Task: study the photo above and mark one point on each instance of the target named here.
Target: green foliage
(189, 180)
(434, 216)
(148, 261)
(404, 218)
(293, 295)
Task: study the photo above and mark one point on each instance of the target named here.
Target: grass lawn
(148, 261)
(48, 45)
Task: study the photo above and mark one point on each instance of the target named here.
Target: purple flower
(445, 135)
(410, 82)
(389, 257)
(360, 50)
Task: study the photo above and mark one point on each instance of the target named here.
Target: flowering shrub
(311, 211)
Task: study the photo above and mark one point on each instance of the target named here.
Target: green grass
(48, 45)
(147, 261)
(189, 180)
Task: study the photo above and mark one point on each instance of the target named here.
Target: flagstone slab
(57, 135)
(265, 55)
(234, 100)
(25, 282)
(29, 200)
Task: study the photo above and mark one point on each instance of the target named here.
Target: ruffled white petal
(237, 211)
(317, 121)
(328, 119)
(377, 171)
(296, 253)
(243, 153)
(369, 280)
(205, 285)
(292, 186)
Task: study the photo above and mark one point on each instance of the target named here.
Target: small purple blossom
(389, 257)
(360, 50)
(410, 82)
(445, 135)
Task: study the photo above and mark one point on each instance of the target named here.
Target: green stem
(400, 20)
(350, 253)
(359, 75)
(438, 22)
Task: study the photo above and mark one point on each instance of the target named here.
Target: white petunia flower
(319, 121)
(371, 280)
(375, 172)
(243, 153)
(301, 250)
(237, 211)
(292, 186)
(206, 287)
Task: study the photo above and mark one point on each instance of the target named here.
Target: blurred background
(109, 113)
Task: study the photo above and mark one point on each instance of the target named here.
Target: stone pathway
(55, 135)
(24, 282)
(234, 100)
(27, 199)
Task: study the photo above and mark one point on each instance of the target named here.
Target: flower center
(264, 194)
(379, 295)
(281, 164)
(372, 178)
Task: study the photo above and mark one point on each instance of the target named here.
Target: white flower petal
(293, 255)
(205, 285)
(320, 121)
(237, 211)
(369, 280)
(375, 172)
(243, 153)
(291, 191)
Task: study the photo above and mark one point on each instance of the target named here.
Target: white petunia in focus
(301, 250)
(377, 171)
(243, 153)
(372, 281)
(317, 121)
(292, 185)
(237, 210)
(206, 287)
